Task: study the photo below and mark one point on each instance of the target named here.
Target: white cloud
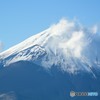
(1, 46)
(62, 27)
(94, 29)
(75, 43)
(8, 96)
(70, 36)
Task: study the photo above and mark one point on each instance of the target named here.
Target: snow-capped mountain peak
(66, 44)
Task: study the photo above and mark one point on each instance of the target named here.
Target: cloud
(1, 46)
(62, 27)
(8, 96)
(71, 37)
(94, 29)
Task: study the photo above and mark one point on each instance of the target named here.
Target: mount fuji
(50, 64)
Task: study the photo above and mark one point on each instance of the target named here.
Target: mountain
(50, 64)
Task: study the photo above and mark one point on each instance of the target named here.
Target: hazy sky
(20, 19)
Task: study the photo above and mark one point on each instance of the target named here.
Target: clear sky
(20, 19)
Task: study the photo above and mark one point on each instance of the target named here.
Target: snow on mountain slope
(66, 44)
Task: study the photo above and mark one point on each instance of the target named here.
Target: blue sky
(20, 19)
